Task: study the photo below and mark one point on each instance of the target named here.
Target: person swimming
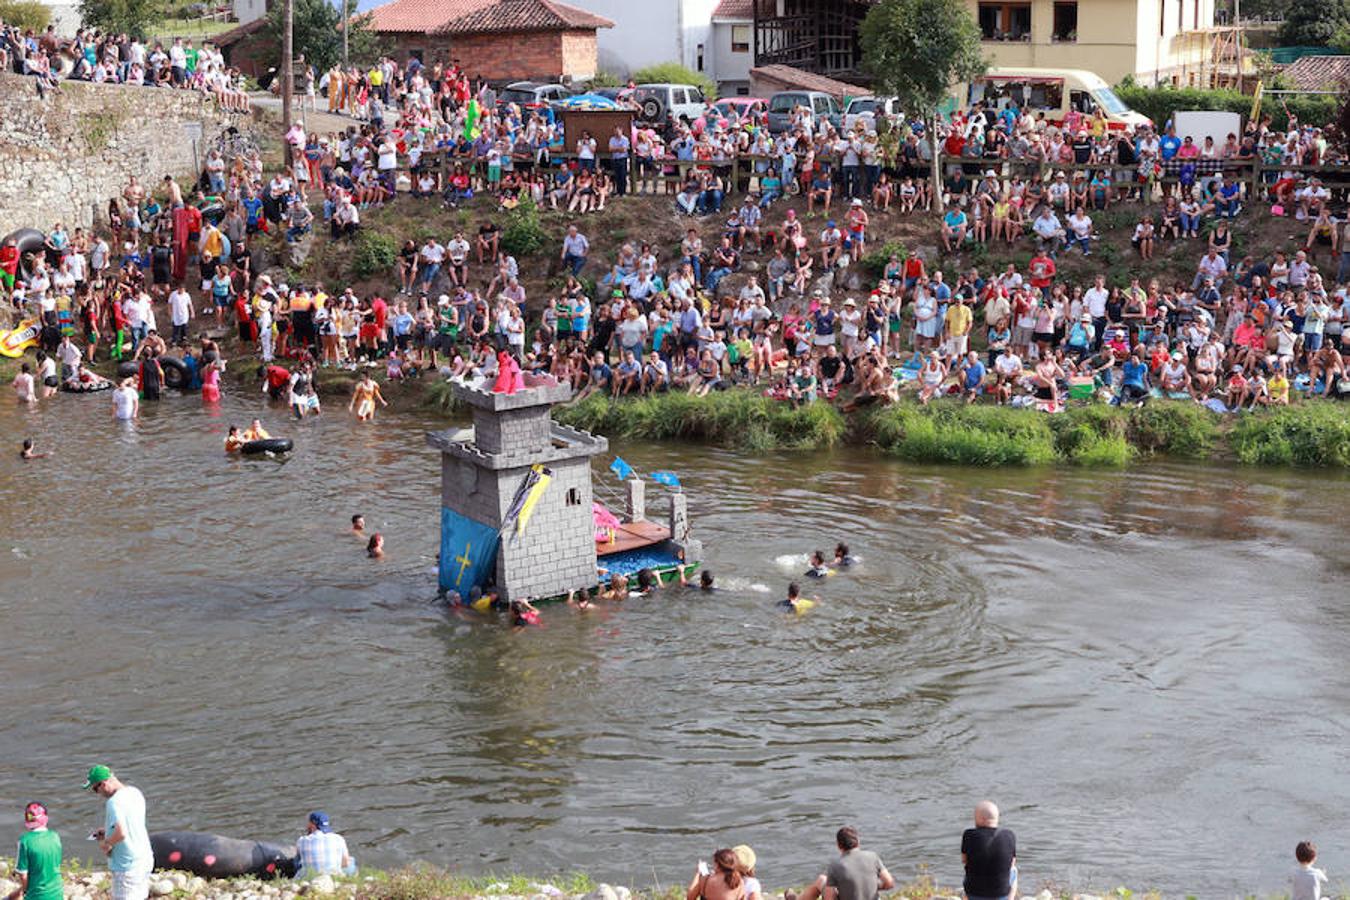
(842, 558)
(617, 590)
(579, 600)
(523, 613)
(27, 452)
(358, 522)
(647, 581)
(375, 546)
(234, 441)
(818, 568)
(795, 602)
(256, 432)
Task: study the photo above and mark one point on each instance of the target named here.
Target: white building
(246, 11)
(690, 32)
(65, 15)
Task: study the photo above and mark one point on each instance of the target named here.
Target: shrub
(967, 435)
(875, 262)
(1310, 434)
(1160, 103)
(604, 79)
(1178, 429)
(674, 73)
(523, 234)
(375, 254)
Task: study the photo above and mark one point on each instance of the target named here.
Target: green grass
(423, 882)
(966, 435)
(1310, 434)
(737, 418)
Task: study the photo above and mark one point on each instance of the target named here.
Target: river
(1143, 668)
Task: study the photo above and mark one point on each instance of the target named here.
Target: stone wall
(63, 157)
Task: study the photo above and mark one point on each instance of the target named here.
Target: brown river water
(1144, 668)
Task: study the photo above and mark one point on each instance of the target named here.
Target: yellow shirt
(958, 319)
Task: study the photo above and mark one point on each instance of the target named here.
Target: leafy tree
(916, 50)
(1313, 23)
(318, 34)
(674, 73)
(26, 14)
(135, 17)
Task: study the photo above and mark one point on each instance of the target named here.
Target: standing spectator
(38, 863)
(619, 146)
(123, 837)
(1308, 880)
(989, 854)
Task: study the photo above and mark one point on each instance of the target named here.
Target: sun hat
(850, 302)
(97, 775)
(35, 817)
(857, 202)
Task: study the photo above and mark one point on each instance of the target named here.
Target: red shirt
(381, 311)
(9, 260)
(1042, 271)
(277, 377)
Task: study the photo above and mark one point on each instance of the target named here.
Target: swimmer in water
(359, 525)
(705, 581)
(523, 613)
(27, 451)
(580, 602)
(255, 432)
(842, 558)
(234, 441)
(794, 602)
(617, 590)
(818, 568)
(375, 546)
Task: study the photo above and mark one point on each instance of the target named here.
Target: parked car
(783, 103)
(532, 94)
(754, 107)
(866, 110)
(656, 102)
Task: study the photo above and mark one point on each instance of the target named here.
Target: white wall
(249, 10)
(731, 68)
(653, 31)
(65, 16)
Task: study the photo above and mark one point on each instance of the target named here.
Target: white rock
(1045, 895)
(497, 887)
(603, 892)
(7, 887)
(161, 887)
(324, 884)
(179, 879)
(96, 878)
(623, 893)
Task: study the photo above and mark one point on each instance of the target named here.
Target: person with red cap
(38, 863)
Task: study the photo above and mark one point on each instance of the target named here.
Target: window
(740, 38)
(1005, 21)
(573, 497)
(1066, 22)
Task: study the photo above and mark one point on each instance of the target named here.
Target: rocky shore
(429, 883)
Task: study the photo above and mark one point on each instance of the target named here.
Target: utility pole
(287, 70)
(1237, 23)
(346, 20)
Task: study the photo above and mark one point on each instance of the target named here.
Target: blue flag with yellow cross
(468, 552)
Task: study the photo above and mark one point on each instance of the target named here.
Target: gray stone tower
(483, 467)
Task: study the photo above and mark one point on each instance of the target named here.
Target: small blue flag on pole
(669, 479)
(621, 468)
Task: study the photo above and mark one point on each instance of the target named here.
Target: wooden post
(287, 72)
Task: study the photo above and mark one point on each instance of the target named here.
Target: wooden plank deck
(631, 536)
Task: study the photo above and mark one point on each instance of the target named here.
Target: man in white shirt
(1211, 266)
(1049, 233)
(180, 313)
(70, 356)
(1095, 299)
(321, 850)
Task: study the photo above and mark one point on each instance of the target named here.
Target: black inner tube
(267, 445)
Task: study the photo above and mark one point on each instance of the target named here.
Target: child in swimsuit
(818, 568)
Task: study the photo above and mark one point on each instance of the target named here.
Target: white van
(1061, 94)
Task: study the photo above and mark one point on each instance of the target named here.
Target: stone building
(501, 40)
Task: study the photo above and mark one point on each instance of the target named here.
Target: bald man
(989, 854)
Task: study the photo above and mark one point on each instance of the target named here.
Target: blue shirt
(403, 323)
(1134, 373)
(1168, 145)
(974, 375)
(253, 206)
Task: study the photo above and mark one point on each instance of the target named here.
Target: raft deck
(632, 536)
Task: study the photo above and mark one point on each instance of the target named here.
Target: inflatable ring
(128, 369)
(213, 856)
(90, 388)
(266, 445)
(29, 242)
(175, 373)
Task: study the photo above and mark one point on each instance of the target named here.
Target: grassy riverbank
(1310, 434)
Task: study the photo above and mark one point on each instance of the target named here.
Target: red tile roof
(1319, 73)
(735, 9)
(481, 16)
(801, 80)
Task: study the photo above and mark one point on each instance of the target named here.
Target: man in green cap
(124, 837)
(38, 864)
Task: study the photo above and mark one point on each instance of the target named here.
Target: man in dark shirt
(989, 854)
(856, 875)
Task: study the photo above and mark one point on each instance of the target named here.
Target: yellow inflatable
(13, 343)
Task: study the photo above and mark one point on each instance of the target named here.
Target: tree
(317, 34)
(916, 50)
(674, 73)
(26, 14)
(1313, 23)
(135, 17)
